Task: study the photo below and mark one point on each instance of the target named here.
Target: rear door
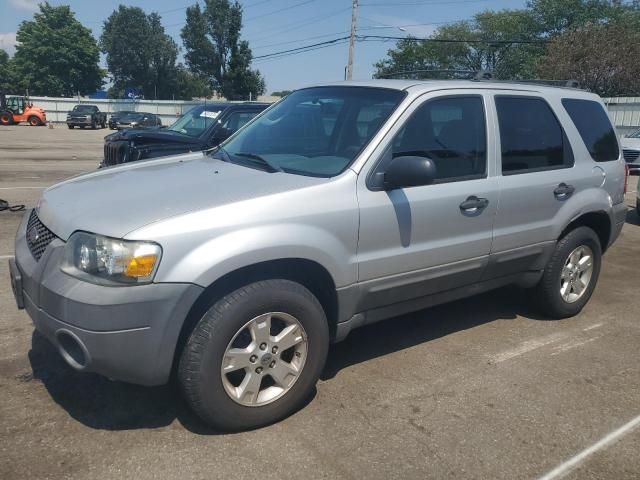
(538, 174)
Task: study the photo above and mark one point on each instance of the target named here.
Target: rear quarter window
(594, 126)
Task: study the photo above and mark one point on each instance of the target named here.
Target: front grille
(116, 152)
(38, 236)
(631, 156)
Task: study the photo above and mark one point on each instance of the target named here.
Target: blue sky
(275, 25)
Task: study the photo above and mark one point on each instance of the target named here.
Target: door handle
(564, 191)
(473, 205)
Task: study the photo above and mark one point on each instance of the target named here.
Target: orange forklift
(14, 110)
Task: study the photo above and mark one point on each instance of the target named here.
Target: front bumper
(126, 333)
(79, 121)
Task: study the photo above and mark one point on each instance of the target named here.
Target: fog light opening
(72, 349)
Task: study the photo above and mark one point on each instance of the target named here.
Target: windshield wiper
(268, 163)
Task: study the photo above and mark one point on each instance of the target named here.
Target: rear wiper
(253, 156)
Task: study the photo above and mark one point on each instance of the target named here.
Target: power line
(300, 4)
(439, 2)
(365, 38)
(298, 25)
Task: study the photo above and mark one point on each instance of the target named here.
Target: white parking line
(565, 467)
(569, 345)
(527, 346)
(5, 257)
(591, 327)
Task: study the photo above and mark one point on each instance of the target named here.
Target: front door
(427, 239)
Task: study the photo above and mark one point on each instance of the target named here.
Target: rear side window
(531, 137)
(594, 127)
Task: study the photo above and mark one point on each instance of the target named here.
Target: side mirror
(409, 171)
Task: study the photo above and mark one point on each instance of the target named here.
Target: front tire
(571, 275)
(255, 355)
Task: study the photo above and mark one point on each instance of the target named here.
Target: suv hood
(115, 201)
(152, 136)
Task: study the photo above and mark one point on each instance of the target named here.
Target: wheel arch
(309, 273)
(598, 221)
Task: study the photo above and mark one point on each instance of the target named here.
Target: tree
(213, 49)
(505, 60)
(281, 93)
(56, 55)
(540, 22)
(139, 53)
(7, 77)
(191, 85)
(603, 58)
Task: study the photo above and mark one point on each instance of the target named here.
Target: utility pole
(352, 39)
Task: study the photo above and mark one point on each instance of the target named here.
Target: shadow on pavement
(632, 217)
(100, 403)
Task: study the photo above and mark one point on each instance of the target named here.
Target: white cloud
(8, 42)
(31, 5)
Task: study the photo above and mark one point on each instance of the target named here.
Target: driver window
(451, 132)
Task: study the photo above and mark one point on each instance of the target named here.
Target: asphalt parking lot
(483, 388)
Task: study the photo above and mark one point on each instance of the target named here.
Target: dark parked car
(86, 116)
(202, 127)
(116, 116)
(135, 120)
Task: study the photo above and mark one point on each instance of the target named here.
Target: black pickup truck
(86, 116)
(202, 127)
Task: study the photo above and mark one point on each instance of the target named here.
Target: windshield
(131, 117)
(635, 134)
(197, 120)
(316, 131)
(85, 108)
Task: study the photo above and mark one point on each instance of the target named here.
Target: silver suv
(341, 205)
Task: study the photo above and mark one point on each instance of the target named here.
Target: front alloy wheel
(255, 355)
(264, 359)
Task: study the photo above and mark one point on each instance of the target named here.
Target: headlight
(109, 261)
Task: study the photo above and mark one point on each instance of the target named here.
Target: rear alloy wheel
(34, 121)
(571, 274)
(255, 355)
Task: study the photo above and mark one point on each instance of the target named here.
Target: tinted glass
(451, 132)
(196, 120)
(594, 127)
(316, 131)
(531, 136)
(238, 120)
(85, 108)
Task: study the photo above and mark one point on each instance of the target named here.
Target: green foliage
(7, 75)
(213, 49)
(139, 53)
(281, 93)
(605, 58)
(192, 85)
(541, 22)
(56, 55)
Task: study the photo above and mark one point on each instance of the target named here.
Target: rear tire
(6, 119)
(231, 404)
(571, 274)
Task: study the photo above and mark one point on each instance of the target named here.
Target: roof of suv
(417, 86)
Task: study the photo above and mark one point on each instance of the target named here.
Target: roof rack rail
(486, 75)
